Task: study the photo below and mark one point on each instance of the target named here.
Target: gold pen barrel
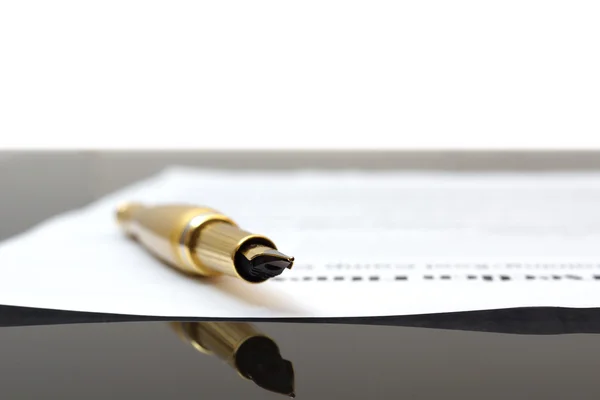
(202, 241)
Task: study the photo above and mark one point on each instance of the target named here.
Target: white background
(306, 74)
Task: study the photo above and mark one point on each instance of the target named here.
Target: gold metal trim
(185, 245)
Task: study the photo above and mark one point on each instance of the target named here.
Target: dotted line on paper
(400, 278)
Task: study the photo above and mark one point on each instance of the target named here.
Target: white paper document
(365, 244)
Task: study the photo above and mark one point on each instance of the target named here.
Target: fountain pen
(202, 241)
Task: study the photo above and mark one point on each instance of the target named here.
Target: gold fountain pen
(251, 353)
(202, 241)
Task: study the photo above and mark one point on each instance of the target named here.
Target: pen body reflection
(251, 353)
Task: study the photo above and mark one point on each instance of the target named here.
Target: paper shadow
(258, 295)
(261, 295)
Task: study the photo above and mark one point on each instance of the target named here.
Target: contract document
(365, 244)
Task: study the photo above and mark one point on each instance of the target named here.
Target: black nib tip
(270, 265)
(260, 262)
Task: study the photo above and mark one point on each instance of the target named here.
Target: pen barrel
(171, 233)
(195, 240)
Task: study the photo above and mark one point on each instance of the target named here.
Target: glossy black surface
(148, 360)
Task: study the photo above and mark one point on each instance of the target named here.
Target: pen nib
(262, 262)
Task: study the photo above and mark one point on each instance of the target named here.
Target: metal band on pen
(184, 244)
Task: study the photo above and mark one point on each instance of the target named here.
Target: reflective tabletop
(157, 360)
